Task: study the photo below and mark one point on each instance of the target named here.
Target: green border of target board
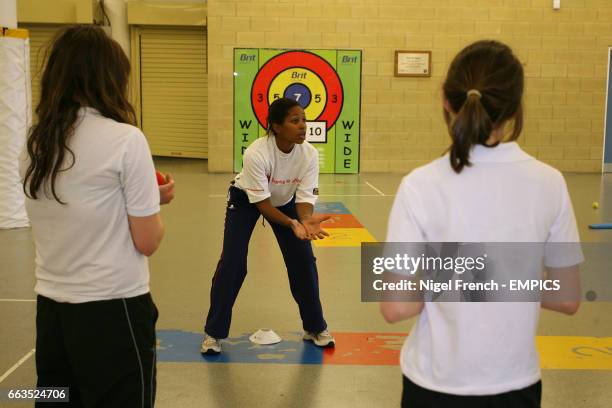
(340, 154)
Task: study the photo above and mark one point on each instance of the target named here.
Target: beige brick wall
(564, 52)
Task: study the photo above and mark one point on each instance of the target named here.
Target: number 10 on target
(316, 132)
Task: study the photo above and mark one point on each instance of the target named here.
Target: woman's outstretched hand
(312, 225)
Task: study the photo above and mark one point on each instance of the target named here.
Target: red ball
(161, 179)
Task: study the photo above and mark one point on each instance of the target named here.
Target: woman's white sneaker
(210, 345)
(322, 339)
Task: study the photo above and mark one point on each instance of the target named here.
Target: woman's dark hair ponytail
(484, 89)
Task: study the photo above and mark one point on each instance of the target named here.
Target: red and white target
(313, 82)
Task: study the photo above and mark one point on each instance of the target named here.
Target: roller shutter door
(174, 90)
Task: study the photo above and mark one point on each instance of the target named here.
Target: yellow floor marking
(575, 353)
(345, 237)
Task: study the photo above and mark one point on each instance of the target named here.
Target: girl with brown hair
(93, 202)
(486, 189)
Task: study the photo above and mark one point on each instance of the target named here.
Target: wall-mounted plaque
(413, 63)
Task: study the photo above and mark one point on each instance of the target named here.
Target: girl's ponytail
(483, 91)
(472, 125)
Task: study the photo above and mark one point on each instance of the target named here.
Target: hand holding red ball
(161, 179)
(166, 187)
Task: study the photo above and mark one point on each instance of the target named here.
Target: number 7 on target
(316, 132)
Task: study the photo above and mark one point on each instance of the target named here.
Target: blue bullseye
(300, 93)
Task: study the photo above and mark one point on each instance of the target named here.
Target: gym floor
(576, 351)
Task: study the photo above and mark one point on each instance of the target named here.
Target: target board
(326, 83)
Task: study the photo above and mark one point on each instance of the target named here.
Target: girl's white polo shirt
(84, 249)
(505, 196)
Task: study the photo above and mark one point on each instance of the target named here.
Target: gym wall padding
(40, 40)
(15, 120)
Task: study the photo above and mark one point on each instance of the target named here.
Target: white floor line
(349, 195)
(320, 195)
(17, 364)
(375, 189)
(17, 300)
(338, 184)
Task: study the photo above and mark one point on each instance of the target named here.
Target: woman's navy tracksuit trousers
(240, 219)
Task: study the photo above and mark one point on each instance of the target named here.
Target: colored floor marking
(375, 349)
(341, 221)
(380, 349)
(345, 237)
(181, 346)
(331, 208)
(344, 229)
(575, 353)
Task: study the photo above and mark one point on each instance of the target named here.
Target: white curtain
(15, 120)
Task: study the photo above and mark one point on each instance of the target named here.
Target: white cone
(265, 337)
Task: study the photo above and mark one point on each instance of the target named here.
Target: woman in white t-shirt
(93, 202)
(484, 190)
(279, 180)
